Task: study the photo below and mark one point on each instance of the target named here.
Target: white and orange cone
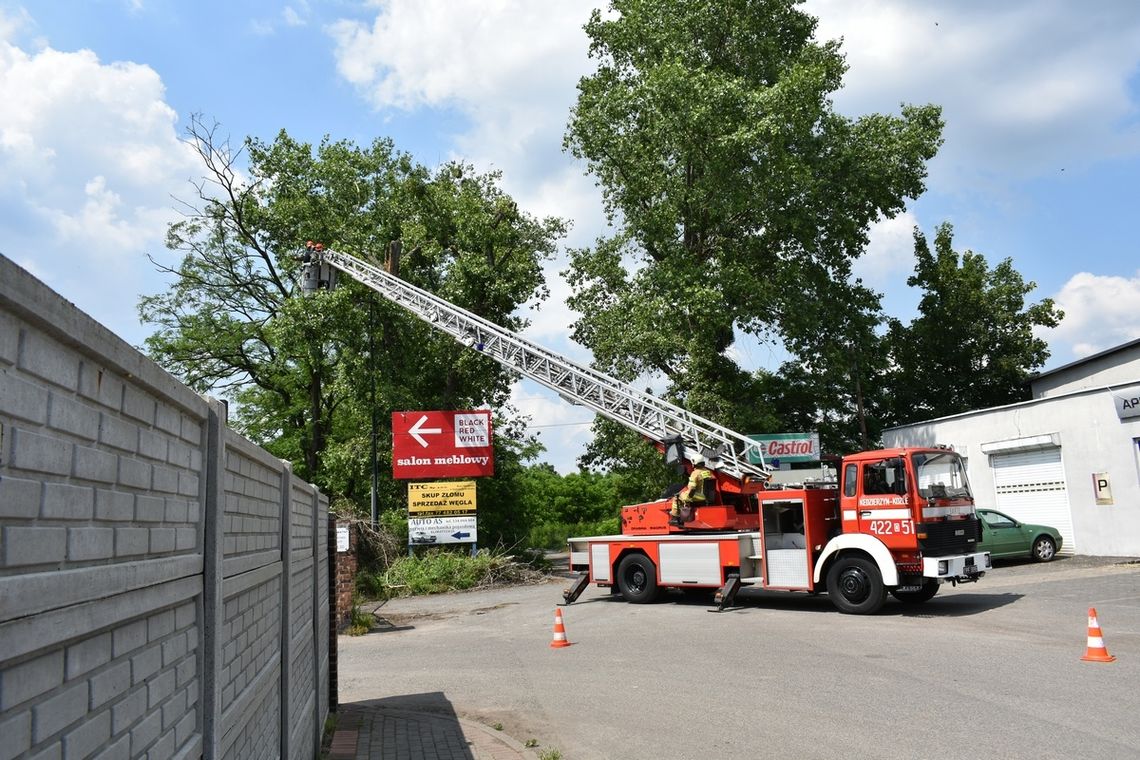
(559, 631)
(1096, 651)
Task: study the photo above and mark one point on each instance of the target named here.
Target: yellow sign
(454, 497)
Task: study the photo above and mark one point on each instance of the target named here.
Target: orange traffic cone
(1096, 651)
(559, 631)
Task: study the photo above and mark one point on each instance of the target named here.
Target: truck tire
(855, 586)
(637, 579)
(926, 593)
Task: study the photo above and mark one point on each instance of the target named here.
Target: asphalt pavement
(990, 668)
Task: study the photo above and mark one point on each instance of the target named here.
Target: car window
(994, 520)
(849, 480)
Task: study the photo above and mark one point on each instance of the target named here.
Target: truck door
(883, 507)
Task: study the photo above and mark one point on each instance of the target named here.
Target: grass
(359, 621)
(441, 570)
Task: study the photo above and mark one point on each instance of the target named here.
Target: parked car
(1003, 536)
(422, 537)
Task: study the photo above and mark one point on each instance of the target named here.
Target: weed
(440, 570)
(550, 754)
(359, 621)
(497, 726)
(531, 743)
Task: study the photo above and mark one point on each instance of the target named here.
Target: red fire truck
(899, 521)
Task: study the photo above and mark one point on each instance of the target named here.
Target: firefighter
(693, 494)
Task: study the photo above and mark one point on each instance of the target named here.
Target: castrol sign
(787, 447)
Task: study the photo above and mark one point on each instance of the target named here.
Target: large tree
(739, 196)
(972, 345)
(308, 373)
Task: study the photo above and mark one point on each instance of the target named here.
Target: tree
(299, 369)
(739, 197)
(972, 345)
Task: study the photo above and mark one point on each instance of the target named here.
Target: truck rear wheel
(856, 586)
(637, 579)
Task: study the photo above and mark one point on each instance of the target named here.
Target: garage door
(1030, 485)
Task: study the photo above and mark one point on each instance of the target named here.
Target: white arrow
(418, 428)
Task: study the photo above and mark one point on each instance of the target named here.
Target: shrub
(440, 570)
(553, 535)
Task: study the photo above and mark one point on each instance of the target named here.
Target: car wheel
(856, 586)
(926, 593)
(637, 579)
(1044, 549)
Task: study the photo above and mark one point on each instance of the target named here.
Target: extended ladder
(650, 416)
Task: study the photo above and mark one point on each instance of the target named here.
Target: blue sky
(1041, 160)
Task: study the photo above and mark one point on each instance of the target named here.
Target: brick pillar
(345, 587)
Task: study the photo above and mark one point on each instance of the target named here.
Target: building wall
(152, 600)
(1115, 368)
(1092, 439)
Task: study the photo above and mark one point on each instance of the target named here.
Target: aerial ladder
(673, 429)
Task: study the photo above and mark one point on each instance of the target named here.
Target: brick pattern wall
(346, 566)
(113, 640)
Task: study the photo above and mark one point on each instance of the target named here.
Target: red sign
(441, 444)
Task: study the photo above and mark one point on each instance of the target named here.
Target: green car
(1002, 536)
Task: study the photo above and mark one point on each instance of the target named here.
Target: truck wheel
(637, 579)
(856, 586)
(927, 592)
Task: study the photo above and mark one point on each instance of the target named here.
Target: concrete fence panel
(163, 581)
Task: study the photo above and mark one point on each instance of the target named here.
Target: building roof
(1085, 360)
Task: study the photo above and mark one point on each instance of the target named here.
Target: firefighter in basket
(694, 494)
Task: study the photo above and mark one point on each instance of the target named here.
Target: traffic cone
(1096, 651)
(559, 631)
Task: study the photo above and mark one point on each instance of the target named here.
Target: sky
(1040, 163)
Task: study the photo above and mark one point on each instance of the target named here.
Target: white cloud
(88, 163)
(890, 253)
(12, 22)
(1027, 86)
(509, 66)
(1101, 311)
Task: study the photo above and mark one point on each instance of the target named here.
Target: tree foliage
(739, 196)
(972, 345)
(306, 374)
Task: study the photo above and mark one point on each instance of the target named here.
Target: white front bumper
(956, 566)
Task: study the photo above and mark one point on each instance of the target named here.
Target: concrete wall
(1115, 367)
(1092, 438)
(163, 582)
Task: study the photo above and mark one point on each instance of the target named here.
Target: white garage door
(1030, 485)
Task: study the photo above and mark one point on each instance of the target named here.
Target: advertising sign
(455, 497)
(429, 531)
(787, 447)
(1127, 402)
(441, 444)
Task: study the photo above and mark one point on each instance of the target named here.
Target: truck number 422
(891, 527)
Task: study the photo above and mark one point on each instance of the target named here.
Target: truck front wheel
(856, 586)
(637, 579)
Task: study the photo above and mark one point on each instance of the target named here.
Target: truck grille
(952, 537)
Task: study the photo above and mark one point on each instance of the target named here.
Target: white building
(1070, 457)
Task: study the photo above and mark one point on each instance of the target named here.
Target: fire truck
(894, 521)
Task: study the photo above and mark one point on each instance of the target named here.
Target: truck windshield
(940, 475)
